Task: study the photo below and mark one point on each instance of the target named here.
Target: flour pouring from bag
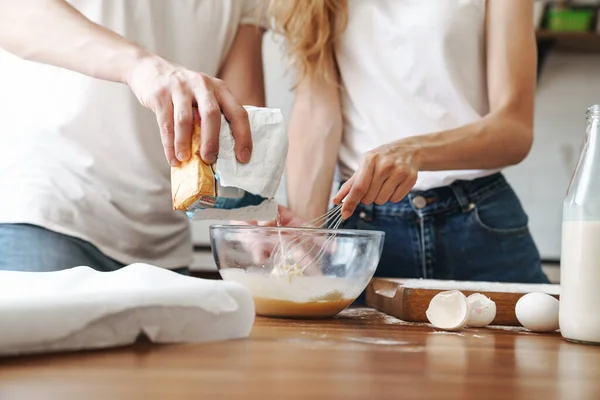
(228, 189)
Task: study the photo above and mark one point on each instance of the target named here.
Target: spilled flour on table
(368, 313)
(389, 320)
(447, 333)
(516, 329)
(356, 313)
(386, 342)
(356, 344)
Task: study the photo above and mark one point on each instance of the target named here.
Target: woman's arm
(499, 139)
(315, 134)
(242, 70)
(53, 32)
(504, 136)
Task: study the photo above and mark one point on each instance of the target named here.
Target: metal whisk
(282, 254)
(332, 219)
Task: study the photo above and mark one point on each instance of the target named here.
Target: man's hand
(171, 91)
(78, 44)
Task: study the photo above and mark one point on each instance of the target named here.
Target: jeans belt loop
(461, 196)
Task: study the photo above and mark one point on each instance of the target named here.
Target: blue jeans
(471, 230)
(26, 247)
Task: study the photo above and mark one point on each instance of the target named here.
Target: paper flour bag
(228, 189)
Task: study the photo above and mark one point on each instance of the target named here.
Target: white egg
(448, 310)
(482, 310)
(538, 312)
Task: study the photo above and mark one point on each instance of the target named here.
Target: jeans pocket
(501, 213)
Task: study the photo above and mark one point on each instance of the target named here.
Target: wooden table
(362, 354)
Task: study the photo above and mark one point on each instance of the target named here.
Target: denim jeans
(26, 247)
(471, 230)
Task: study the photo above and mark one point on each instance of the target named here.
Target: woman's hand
(171, 90)
(385, 174)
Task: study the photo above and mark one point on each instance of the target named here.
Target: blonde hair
(310, 29)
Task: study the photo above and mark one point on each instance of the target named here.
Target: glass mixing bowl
(297, 272)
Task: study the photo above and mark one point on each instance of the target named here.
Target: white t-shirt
(410, 68)
(82, 157)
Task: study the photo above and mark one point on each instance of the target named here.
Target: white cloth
(82, 157)
(80, 308)
(411, 68)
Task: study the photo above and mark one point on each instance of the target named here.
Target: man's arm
(242, 70)
(54, 33)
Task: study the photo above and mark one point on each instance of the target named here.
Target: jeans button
(419, 202)
(362, 215)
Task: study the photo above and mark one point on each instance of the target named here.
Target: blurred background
(568, 37)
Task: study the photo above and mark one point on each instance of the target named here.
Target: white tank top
(82, 157)
(411, 67)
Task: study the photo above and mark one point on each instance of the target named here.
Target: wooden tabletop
(362, 354)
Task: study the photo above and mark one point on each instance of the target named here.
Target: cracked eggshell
(482, 310)
(448, 310)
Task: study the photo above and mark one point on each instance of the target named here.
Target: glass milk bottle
(579, 316)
